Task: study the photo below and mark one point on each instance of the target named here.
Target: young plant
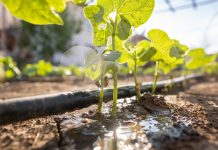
(211, 68)
(137, 56)
(112, 18)
(10, 68)
(162, 44)
(197, 59)
(109, 18)
(97, 66)
(179, 51)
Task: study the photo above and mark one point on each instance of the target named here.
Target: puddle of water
(134, 130)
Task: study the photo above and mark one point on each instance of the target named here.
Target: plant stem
(185, 83)
(156, 74)
(171, 82)
(115, 92)
(114, 34)
(101, 98)
(114, 107)
(137, 86)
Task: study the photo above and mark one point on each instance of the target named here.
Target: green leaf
(137, 12)
(139, 54)
(123, 29)
(79, 2)
(98, 65)
(163, 44)
(168, 68)
(129, 13)
(36, 11)
(211, 68)
(178, 50)
(102, 30)
(111, 56)
(120, 48)
(198, 59)
(92, 57)
(9, 74)
(144, 51)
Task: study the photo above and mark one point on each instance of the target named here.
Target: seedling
(114, 19)
(179, 51)
(162, 44)
(9, 67)
(97, 66)
(137, 56)
(197, 59)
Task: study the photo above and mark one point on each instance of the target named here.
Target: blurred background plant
(8, 68)
(45, 41)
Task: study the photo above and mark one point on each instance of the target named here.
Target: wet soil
(186, 120)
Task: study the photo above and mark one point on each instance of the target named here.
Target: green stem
(156, 74)
(101, 98)
(171, 82)
(115, 92)
(185, 83)
(137, 86)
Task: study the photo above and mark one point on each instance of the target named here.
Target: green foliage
(211, 68)
(126, 14)
(98, 65)
(178, 51)
(44, 69)
(39, 12)
(78, 2)
(139, 54)
(2, 72)
(197, 58)
(36, 11)
(9, 68)
(161, 42)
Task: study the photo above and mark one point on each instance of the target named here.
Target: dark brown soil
(196, 107)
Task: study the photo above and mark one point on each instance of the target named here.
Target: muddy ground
(186, 120)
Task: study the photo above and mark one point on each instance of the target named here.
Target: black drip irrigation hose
(19, 109)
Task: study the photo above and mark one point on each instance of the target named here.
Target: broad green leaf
(128, 12)
(98, 65)
(78, 2)
(95, 71)
(137, 12)
(125, 54)
(92, 58)
(211, 68)
(102, 30)
(111, 56)
(36, 11)
(161, 42)
(198, 59)
(144, 51)
(168, 68)
(140, 54)
(123, 29)
(178, 50)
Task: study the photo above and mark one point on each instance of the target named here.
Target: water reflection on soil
(135, 129)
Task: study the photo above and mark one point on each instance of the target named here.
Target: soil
(18, 89)
(185, 120)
